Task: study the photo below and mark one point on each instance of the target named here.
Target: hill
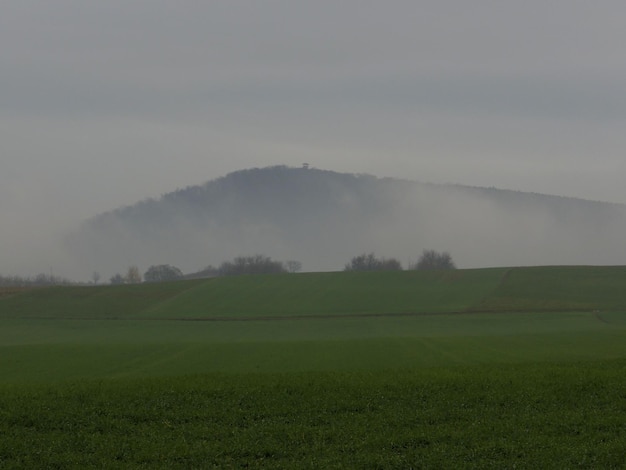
(323, 218)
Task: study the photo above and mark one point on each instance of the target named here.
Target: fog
(324, 218)
(103, 104)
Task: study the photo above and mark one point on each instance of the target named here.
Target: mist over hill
(323, 218)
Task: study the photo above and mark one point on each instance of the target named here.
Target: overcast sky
(106, 103)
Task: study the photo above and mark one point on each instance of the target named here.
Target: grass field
(497, 368)
(525, 416)
(347, 293)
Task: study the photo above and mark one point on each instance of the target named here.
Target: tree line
(252, 264)
(261, 264)
(428, 260)
(34, 281)
(240, 265)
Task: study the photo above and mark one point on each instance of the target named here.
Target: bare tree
(255, 264)
(162, 273)
(369, 262)
(132, 275)
(117, 279)
(293, 266)
(95, 277)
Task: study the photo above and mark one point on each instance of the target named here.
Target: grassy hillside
(559, 288)
(522, 367)
(345, 293)
(311, 322)
(103, 302)
(264, 296)
(339, 293)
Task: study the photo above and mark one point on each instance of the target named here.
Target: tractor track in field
(596, 314)
(330, 316)
(363, 315)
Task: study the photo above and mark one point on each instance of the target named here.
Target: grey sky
(106, 103)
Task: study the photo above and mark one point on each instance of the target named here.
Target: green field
(348, 293)
(496, 368)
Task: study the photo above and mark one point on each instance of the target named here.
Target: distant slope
(559, 288)
(335, 294)
(262, 296)
(90, 302)
(321, 294)
(323, 218)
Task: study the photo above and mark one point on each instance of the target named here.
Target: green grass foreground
(488, 368)
(522, 416)
(44, 350)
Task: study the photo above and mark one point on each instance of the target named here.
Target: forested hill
(323, 218)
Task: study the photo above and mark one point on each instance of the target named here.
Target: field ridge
(333, 295)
